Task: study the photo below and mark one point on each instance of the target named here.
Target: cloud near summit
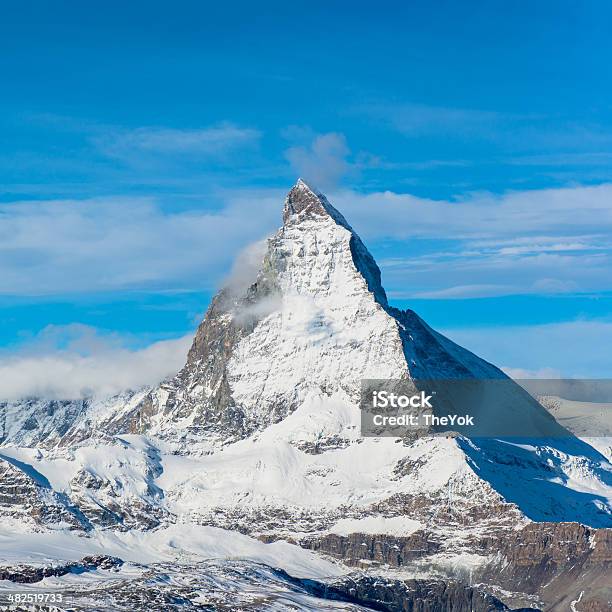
(321, 159)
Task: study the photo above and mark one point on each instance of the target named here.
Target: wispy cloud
(214, 141)
(486, 275)
(598, 158)
(462, 291)
(73, 156)
(421, 120)
(565, 211)
(523, 374)
(74, 361)
(533, 139)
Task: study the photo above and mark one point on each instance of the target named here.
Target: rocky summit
(244, 482)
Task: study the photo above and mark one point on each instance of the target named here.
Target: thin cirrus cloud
(419, 119)
(484, 275)
(544, 267)
(210, 142)
(534, 138)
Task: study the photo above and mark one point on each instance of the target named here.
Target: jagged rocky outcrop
(28, 574)
(363, 549)
(555, 561)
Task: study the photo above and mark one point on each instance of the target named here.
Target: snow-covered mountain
(259, 433)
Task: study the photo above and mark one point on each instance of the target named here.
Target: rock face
(412, 595)
(260, 433)
(549, 561)
(557, 560)
(362, 549)
(28, 499)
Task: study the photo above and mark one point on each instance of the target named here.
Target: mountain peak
(304, 201)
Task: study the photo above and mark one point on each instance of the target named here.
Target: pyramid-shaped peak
(305, 202)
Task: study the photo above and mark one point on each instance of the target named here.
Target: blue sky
(142, 146)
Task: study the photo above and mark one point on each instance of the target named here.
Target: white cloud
(528, 215)
(540, 241)
(74, 361)
(463, 291)
(246, 266)
(531, 135)
(106, 244)
(542, 373)
(321, 162)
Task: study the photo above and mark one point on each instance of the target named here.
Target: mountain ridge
(259, 433)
